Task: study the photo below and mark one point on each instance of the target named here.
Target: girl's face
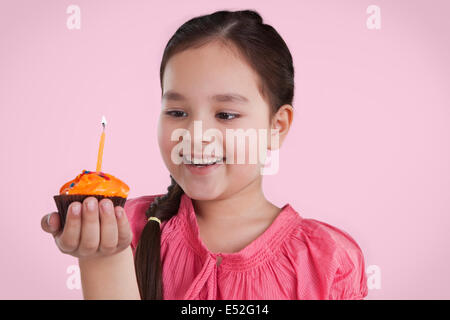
(191, 80)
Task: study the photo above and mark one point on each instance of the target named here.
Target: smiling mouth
(195, 162)
(203, 164)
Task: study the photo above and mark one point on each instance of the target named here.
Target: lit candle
(100, 149)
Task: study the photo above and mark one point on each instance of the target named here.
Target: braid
(166, 206)
(148, 251)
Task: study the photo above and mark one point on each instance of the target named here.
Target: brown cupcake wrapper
(63, 202)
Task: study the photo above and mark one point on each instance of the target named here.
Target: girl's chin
(201, 191)
(195, 195)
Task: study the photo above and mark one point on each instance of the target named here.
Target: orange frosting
(98, 183)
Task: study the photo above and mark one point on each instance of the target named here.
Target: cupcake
(91, 183)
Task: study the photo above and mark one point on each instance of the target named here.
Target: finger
(108, 227)
(69, 240)
(51, 223)
(125, 235)
(90, 227)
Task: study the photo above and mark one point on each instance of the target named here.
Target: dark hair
(267, 53)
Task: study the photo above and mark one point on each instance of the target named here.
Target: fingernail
(91, 205)
(107, 205)
(76, 208)
(48, 218)
(119, 213)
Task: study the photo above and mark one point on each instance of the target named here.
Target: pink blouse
(295, 258)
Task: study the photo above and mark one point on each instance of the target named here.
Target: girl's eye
(221, 115)
(175, 113)
(226, 115)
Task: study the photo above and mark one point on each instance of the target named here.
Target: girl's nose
(200, 126)
(205, 132)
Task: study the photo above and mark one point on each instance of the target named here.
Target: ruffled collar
(260, 249)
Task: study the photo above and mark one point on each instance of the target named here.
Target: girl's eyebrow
(223, 97)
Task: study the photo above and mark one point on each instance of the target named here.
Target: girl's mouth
(203, 168)
(197, 161)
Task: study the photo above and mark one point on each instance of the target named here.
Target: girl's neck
(247, 205)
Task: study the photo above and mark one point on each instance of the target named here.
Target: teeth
(202, 162)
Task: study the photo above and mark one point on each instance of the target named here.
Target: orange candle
(102, 144)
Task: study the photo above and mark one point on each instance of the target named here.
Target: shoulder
(132, 204)
(135, 209)
(349, 279)
(336, 239)
(339, 255)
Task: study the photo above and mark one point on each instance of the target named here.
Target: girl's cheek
(165, 144)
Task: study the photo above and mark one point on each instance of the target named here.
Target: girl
(214, 235)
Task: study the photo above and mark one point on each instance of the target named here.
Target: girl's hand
(89, 232)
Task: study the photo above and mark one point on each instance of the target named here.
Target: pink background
(368, 151)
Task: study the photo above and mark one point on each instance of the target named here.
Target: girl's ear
(280, 124)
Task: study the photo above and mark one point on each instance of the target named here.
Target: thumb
(50, 223)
